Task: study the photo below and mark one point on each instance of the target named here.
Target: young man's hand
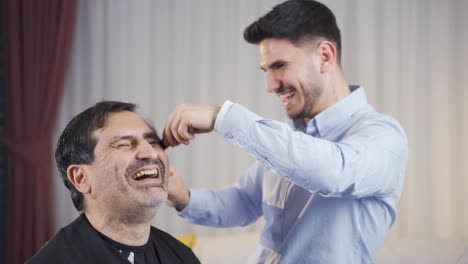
(188, 120)
(178, 195)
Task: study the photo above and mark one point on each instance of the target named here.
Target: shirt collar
(334, 115)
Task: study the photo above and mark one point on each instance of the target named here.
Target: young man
(112, 162)
(328, 182)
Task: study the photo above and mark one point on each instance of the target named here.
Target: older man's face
(129, 168)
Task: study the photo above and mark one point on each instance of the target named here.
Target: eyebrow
(275, 63)
(147, 135)
(152, 135)
(116, 139)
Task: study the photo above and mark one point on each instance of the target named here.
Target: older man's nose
(146, 151)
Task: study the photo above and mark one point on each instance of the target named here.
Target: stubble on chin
(154, 202)
(311, 99)
(158, 195)
(153, 195)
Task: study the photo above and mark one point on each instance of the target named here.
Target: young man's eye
(278, 65)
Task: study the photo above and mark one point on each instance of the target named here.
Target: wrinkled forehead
(124, 123)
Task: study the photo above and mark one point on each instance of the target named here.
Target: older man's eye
(123, 145)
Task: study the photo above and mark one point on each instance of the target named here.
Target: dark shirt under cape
(80, 243)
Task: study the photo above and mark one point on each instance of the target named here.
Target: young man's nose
(272, 83)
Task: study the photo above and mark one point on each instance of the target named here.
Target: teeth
(146, 172)
(287, 95)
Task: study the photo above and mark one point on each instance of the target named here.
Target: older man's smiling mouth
(144, 174)
(149, 177)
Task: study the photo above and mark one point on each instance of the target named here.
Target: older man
(112, 162)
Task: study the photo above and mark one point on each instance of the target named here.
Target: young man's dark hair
(298, 21)
(76, 144)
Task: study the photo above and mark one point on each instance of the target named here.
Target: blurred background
(410, 56)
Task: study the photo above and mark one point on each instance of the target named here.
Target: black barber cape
(80, 243)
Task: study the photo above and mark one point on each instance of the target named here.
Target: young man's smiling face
(129, 167)
(293, 73)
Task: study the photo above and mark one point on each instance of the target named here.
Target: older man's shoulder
(60, 249)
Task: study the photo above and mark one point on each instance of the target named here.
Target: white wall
(411, 57)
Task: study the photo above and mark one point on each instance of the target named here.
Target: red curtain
(38, 38)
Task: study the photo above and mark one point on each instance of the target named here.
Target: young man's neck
(336, 88)
(128, 228)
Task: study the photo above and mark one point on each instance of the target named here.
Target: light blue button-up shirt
(327, 189)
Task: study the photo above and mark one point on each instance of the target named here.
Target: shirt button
(229, 135)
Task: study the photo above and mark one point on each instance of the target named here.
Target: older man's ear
(77, 176)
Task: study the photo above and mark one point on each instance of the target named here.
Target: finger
(175, 126)
(183, 128)
(167, 135)
(167, 140)
(172, 170)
